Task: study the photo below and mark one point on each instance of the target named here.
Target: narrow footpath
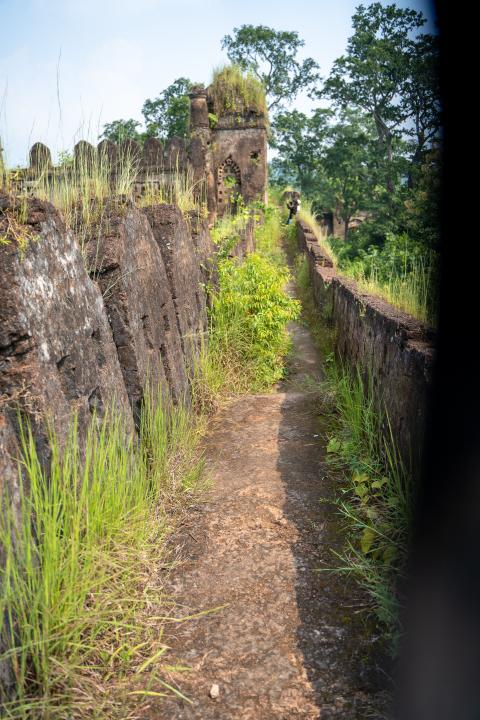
(289, 642)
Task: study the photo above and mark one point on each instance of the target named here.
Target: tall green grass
(80, 189)
(307, 215)
(374, 488)
(409, 286)
(80, 592)
(375, 498)
(235, 91)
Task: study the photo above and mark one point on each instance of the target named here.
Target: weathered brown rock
(204, 247)
(85, 156)
(40, 157)
(9, 482)
(127, 263)
(172, 234)
(372, 335)
(56, 349)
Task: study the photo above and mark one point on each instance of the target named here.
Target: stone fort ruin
(225, 160)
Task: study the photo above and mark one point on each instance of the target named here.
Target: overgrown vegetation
(81, 583)
(234, 91)
(271, 56)
(374, 497)
(81, 187)
(249, 312)
(401, 271)
(374, 156)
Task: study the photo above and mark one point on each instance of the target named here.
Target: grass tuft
(233, 91)
(81, 580)
(375, 498)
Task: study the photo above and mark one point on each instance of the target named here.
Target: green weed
(248, 339)
(79, 582)
(375, 495)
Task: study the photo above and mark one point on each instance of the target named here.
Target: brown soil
(289, 642)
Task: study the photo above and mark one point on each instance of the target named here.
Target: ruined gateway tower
(232, 155)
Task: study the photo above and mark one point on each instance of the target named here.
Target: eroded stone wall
(57, 354)
(376, 337)
(125, 260)
(81, 332)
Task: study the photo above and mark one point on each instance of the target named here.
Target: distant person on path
(293, 205)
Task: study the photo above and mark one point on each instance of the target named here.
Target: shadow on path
(287, 643)
(336, 639)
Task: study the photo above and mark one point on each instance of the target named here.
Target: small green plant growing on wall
(212, 120)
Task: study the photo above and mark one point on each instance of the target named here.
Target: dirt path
(290, 642)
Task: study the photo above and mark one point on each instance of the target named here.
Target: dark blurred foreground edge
(439, 665)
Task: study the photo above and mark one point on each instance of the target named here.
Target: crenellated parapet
(153, 164)
(223, 162)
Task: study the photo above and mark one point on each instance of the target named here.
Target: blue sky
(69, 66)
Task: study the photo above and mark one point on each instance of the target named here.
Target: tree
(421, 95)
(272, 56)
(375, 71)
(299, 140)
(168, 114)
(119, 130)
(348, 163)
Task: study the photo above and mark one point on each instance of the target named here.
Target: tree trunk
(385, 137)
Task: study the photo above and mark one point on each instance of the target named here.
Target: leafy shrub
(249, 315)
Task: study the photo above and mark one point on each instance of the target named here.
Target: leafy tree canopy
(119, 130)
(389, 71)
(272, 56)
(299, 140)
(167, 115)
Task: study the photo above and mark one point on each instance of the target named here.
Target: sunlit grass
(308, 217)
(235, 91)
(81, 585)
(176, 188)
(408, 289)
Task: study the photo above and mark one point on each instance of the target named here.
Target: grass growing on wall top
(81, 187)
(234, 91)
(308, 217)
(374, 488)
(177, 188)
(80, 588)
(397, 273)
